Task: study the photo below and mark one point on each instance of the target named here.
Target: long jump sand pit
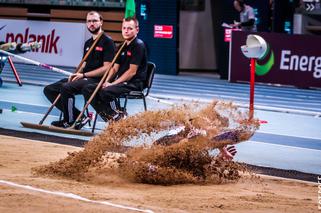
(19, 156)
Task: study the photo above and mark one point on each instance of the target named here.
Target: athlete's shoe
(231, 150)
(119, 115)
(115, 117)
(80, 124)
(227, 153)
(61, 124)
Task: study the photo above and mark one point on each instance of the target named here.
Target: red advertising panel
(290, 60)
(163, 31)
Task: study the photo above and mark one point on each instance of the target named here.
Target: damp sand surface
(258, 194)
(172, 173)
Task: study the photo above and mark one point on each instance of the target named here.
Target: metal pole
(252, 81)
(16, 75)
(36, 63)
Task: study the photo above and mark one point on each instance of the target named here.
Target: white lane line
(288, 135)
(178, 98)
(24, 103)
(227, 92)
(73, 196)
(161, 100)
(32, 113)
(285, 146)
(283, 109)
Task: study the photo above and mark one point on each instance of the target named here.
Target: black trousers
(68, 90)
(104, 101)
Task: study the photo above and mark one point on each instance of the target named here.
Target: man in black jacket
(128, 74)
(91, 72)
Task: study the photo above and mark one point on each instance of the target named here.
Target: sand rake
(102, 81)
(72, 130)
(40, 125)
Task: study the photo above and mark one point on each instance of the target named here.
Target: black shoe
(120, 115)
(105, 116)
(61, 124)
(80, 124)
(115, 117)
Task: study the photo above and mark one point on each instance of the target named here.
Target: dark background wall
(163, 52)
(223, 11)
(282, 14)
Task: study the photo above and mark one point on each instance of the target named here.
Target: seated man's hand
(75, 77)
(106, 84)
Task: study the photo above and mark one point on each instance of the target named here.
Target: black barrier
(290, 60)
(158, 19)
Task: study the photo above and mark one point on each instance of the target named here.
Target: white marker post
(255, 48)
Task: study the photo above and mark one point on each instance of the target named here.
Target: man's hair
(95, 12)
(241, 2)
(132, 19)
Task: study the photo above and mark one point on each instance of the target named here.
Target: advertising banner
(290, 60)
(62, 43)
(163, 31)
(228, 33)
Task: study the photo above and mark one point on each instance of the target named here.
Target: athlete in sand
(182, 133)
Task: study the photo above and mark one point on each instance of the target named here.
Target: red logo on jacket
(129, 53)
(99, 49)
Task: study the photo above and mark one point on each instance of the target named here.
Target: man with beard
(91, 72)
(128, 74)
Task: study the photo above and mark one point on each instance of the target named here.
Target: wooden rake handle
(103, 79)
(77, 71)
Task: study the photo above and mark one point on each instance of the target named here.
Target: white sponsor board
(62, 43)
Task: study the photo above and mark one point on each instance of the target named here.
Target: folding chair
(151, 67)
